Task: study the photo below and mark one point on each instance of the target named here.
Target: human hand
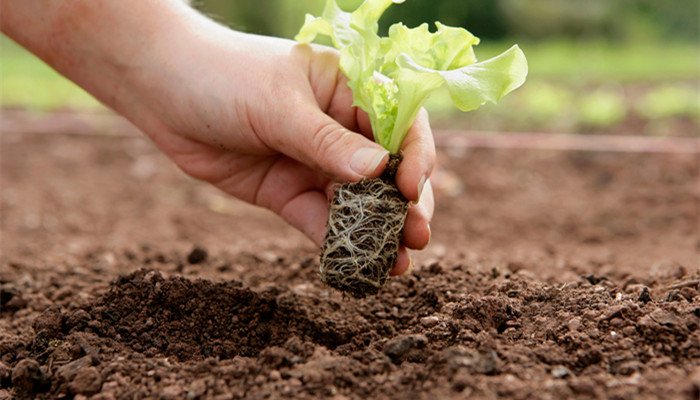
(267, 120)
(271, 122)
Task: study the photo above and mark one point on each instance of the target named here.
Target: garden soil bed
(551, 274)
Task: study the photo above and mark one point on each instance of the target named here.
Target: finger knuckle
(326, 139)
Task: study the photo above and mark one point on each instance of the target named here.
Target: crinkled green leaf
(446, 49)
(478, 83)
(392, 77)
(366, 17)
(334, 23)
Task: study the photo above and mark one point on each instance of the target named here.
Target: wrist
(164, 78)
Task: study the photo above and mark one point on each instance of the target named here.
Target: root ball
(364, 232)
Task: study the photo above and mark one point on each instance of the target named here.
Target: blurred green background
(623, 67)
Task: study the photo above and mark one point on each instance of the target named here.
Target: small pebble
(402, 344)
(275, 375)
(574, 324)
(560, 372)
(430, 321)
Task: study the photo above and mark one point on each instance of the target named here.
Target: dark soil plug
(364, 231)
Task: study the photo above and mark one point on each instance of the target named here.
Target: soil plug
(390, 78)
(364, 232)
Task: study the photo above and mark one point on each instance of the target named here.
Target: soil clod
(197, 255)
(398, 347)
(87, 381)
(28, 379)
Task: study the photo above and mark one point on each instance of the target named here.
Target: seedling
(391, 78)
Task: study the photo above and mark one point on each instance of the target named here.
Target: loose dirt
(551, 274)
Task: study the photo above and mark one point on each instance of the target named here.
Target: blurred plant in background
(625, 66)
(26, 82)
(492, 19)
(602, 107)
(668, 101)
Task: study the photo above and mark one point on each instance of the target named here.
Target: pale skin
(267, 120)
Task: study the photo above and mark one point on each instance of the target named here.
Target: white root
(364, 231)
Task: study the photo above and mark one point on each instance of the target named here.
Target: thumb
(320, 142)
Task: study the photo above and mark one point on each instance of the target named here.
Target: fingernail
(421, 183)
(366, 160)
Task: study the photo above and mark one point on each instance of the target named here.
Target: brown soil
(551, 274)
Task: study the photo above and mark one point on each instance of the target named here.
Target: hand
(266, 120)
(271, 122)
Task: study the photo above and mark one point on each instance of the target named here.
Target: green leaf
(446, 49)
(334, 23)
(391, 77)
(487, 81)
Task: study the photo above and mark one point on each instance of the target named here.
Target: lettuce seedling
(391, 78)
